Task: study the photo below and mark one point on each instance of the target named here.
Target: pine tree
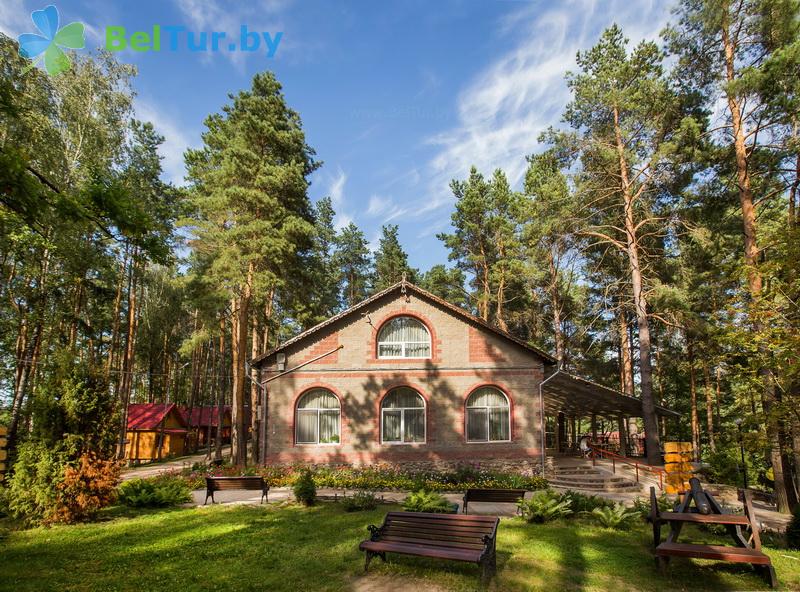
(391, 261)
(353, 263)
(249, 185)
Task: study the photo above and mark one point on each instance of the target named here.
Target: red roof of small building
(201, 416)
(148, 416)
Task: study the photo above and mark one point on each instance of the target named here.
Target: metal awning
(581, 397)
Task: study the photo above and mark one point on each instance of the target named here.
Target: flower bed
(375, 478)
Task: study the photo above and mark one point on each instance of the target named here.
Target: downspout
(262, 387)
(542, 419)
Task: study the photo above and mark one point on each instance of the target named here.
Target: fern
(616, 516)
(544, 506)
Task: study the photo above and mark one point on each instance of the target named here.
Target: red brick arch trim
(429, 437)
(403, 311)
(293, 413)
(503, 389)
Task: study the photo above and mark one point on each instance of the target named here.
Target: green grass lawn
(297, 549)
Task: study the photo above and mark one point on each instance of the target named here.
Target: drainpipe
(262, 386)
(541, 413)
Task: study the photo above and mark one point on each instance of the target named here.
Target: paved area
(153, 469)
(282, 494)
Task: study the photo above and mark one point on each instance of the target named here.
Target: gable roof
(404, 286)
(148, 416)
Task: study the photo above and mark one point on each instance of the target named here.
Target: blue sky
(397, 98)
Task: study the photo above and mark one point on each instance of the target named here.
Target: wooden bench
(700, 507)
(250, 482)
(510, 496)
(455, 537)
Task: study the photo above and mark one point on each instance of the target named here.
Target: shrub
(304, 489)
(580, 502)
(544, 506)
(428, 501)
(360, 500)
(642, 506)
(793, 530)
(33, 486)
(615, 516)
(158, 492)
(85, 489)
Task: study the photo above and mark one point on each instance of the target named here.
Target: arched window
(404, 337)
(403, 417)
(488, 416)
(317, 418)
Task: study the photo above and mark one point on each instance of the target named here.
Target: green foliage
(642, 505)
(582, 503)
(33, 486)
(544, 506)
(304, 489)
(360, 500)
(157, 492)
(381, 477)
(428, 501)
(614, 516)
(352, 260)
(391, 261)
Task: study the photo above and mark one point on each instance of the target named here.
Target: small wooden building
(155, 430)
(203, 422)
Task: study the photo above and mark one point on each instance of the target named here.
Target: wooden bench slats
(423, 540)
(439, 527)
(721, 552)
(443, 536)
(443, 518)
(424, 551)
(492, 496)
(705, 518)
(439, 534)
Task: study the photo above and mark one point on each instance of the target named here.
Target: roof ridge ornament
(403, 283)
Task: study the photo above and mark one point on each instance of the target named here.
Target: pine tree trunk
(693, 403)
(709, 408)
(640, 305)
(626, 359)
(126, 381)
(555, 304)
(255, 350)
(754, 280)
(240, 309)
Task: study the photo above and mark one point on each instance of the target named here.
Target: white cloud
(336, 187)
(384, 208)
(341, 221)
(176, 141)
(505, 107)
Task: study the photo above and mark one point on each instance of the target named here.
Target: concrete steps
(587, 477)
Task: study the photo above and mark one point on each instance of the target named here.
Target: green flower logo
(50, 42)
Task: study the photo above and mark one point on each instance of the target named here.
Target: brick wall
(465, 356)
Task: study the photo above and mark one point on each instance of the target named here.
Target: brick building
(405, 377)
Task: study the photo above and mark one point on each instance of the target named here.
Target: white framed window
(403, 417)
(317, 418)
(404, 337)
(488, 416)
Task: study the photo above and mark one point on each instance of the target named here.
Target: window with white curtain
(403, 417)
(404, 337)
(317, 418)
(488, 416)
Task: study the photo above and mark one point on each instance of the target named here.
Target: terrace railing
(598, 452)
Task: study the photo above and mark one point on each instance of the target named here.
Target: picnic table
(700, 507)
